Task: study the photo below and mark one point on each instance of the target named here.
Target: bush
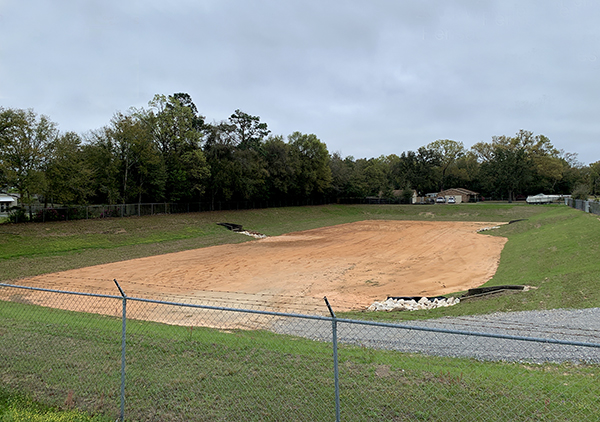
(49, 214)
(17, 215)
(76, 213)
(59, 214)
(581, 192)
(111, 211)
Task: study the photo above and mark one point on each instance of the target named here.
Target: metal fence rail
(39, 213)
(141, 359)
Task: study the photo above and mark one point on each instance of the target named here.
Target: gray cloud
(368, 78)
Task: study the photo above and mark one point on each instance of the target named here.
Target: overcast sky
(369, 78)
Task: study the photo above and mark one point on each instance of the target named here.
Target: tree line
(167, 152)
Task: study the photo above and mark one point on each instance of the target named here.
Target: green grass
(20, 408)
(202, 374)
(40, 248)
(556, 252)
(206, 374)
(554, 249)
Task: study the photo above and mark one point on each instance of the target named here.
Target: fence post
(336, 373)
(123, 331)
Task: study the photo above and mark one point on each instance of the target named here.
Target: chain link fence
(592, 207)
(40, 213)
(148, 360)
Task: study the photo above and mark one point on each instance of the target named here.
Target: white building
(6, 202)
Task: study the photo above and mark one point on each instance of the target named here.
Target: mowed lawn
(64, 359)
(263, 376)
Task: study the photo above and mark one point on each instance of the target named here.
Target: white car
(451, 200)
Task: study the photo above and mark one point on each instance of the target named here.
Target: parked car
(451, 200)
(440, 200)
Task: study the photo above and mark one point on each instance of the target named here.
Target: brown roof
(458, 191)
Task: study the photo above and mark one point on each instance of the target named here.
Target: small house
(7, 201)
(460, 195)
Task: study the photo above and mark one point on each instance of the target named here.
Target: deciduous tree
(278, 165)
(595, 178)
(68, 178)
(177, 130)
(417, 169)
(247, 132)
(137, 156)
(449, 152)
(310, 159)
(25, 137)
(101, 157)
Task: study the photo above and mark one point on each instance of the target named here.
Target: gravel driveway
(573, 326)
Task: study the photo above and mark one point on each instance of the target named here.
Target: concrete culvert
(232, 226)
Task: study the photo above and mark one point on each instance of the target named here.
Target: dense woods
(167, 152)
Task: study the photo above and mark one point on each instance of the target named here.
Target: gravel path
(577, 326)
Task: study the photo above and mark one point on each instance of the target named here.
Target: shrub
(581, 192)
(17, 215)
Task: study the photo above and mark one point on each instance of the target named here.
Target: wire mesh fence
(149, 360)
(41, 213)
(592, 207)
(59, 357)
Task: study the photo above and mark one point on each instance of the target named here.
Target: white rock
(412, 305)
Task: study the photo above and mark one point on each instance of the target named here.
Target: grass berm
(554, 249)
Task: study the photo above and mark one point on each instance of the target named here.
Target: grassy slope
(556, 250)
(33, 249)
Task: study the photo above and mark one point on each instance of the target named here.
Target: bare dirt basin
(352, 264)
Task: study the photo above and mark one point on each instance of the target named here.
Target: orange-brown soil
(352, 264)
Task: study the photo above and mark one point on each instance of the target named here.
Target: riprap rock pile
(484, 229)
(250, 233)
(412, 305)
